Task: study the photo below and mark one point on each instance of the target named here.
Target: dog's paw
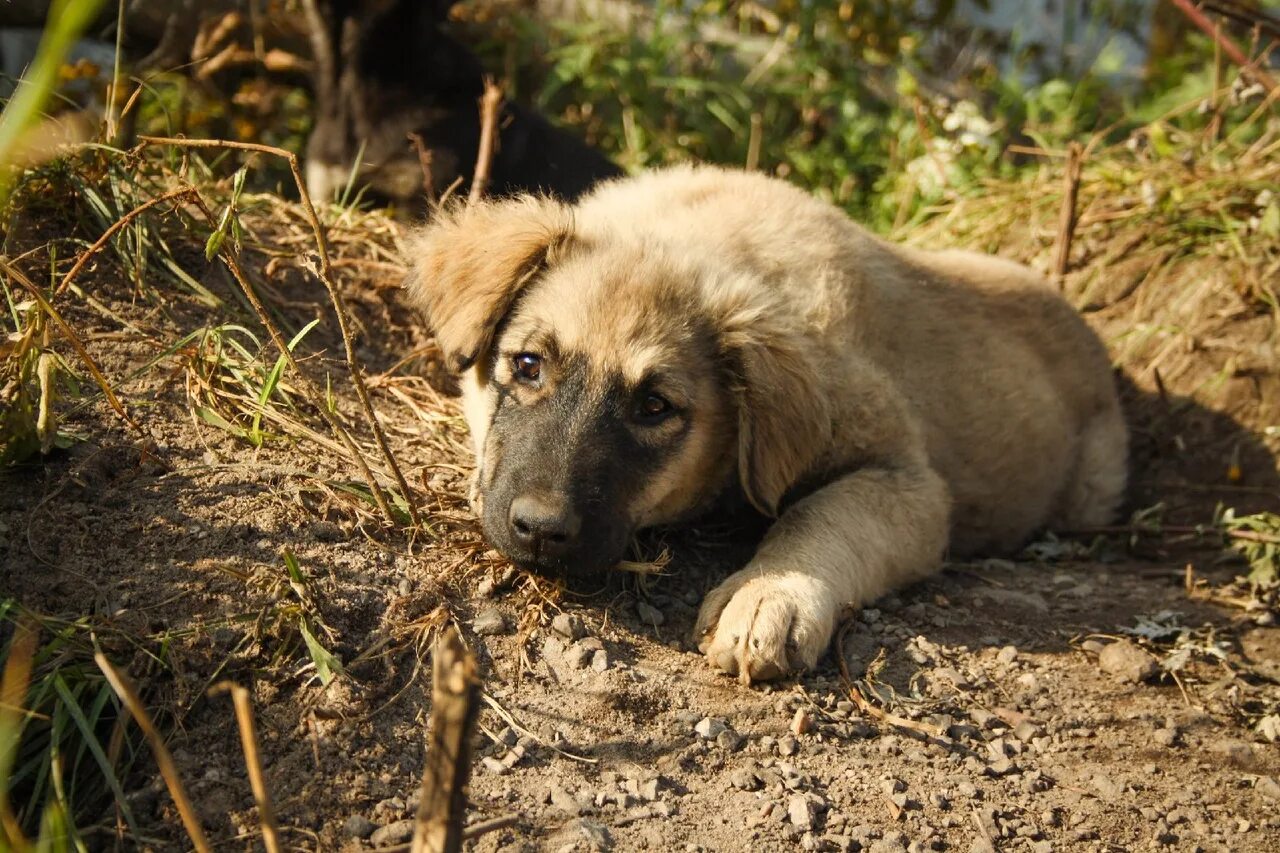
(762, 626)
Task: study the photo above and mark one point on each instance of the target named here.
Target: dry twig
(454, 690)
(129, 697)
(490, 104)
(249, 746)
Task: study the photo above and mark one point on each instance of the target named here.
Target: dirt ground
(1074, 699)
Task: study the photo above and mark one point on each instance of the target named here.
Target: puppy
(688, 335)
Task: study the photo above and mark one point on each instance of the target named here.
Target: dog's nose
(546, 525)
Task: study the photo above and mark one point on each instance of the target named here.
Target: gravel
(358, 826)
(710, 728)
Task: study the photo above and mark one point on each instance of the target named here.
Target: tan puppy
(687, 335)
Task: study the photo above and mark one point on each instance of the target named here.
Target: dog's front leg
(843, 545)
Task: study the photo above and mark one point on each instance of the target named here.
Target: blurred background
(880, 106)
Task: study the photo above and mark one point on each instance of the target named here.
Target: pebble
(1268, 787)
(1007, 655)
(788, 746)
(649, 614)
(709, 728)
(489, 622)
(745, 780)
(596, 834)
(582, 653)
(1166, 737)
(568, 625)
(600, 660)
(358, 826)
(730, 741)
(801, 811)
(393, 833)
(802, 722)
(566, 802)
(494, 766)
(1128, 662)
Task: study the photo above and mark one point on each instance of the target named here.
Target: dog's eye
(527, 367)
(653, 408)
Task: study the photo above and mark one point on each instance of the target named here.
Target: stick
(454, 690)
(124, 689)
(13, 695)
(1176, 529)
(249, 745)
(1228, 46)
(866, 706)
(753, 142)
(183, 192)
(70, 334)
(490, 102)
(325, 274)
(1067, 217)
(424, 162)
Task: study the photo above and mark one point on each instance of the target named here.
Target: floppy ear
(784, 421)
(469, 262)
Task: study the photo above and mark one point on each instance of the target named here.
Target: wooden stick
(124, 689)
(1067, 216)
(13, 696)
(249, 745)
(753, 142)
(454, 691)
(490, 103)
(424, 162)
(1228, 46)
(172, 195)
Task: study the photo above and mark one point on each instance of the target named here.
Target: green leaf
(211, 248)
(327, 666)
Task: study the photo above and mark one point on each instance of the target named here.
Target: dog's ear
(784, 421)
(467, 265)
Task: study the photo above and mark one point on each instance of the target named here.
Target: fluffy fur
(882, 403)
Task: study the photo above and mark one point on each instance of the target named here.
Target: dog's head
(619, 385)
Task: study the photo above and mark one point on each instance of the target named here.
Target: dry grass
(1175, 255)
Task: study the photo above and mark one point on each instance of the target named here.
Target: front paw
(760, 626)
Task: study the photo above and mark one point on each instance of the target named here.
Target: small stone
(745, 780)
(600, 660)
(788, 746)
(648, 790)
(1128, 662)
(730, 741)
(494, 766)
(596, 835)
(649, 614)
(1268, 787)
(566, 802)
(489, 622)
(391, 834)
(801, 811)
(568, 625)
(1026, 730)
(358, 826)
(1007, 655)
(709, 728)
(802, 722)
(940, 801)
(1166, 737)
(893, 786)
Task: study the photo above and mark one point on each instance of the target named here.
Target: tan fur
(903, 400)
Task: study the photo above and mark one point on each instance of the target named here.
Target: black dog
(385, 69)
